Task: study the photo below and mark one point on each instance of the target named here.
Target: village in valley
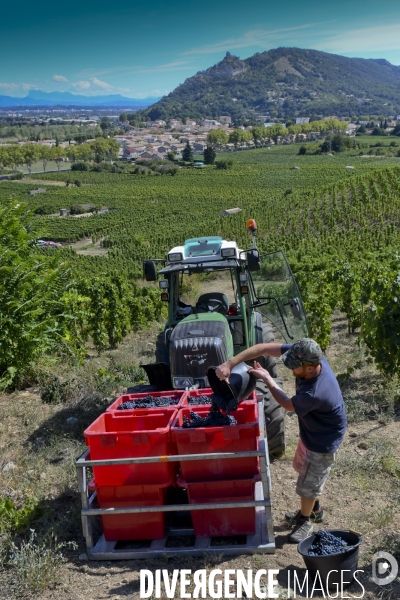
(159, 140)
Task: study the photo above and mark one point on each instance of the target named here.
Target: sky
(140, 48)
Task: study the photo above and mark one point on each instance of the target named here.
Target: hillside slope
(286, 82)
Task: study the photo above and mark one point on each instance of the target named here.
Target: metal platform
(262, 542)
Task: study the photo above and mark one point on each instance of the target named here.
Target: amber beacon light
(251, 225)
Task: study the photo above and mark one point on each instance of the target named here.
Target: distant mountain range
(285, 83)
(39, 98)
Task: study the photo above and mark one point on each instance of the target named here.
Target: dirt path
(85, 247)
(41, 182)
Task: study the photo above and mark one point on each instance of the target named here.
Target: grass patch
(378, 459)
(36, 562)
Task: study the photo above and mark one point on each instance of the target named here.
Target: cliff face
(230, 66)
(286, 82)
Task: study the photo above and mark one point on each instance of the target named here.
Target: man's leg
(310, 483)
(307, 505)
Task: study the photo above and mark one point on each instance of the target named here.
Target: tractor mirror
(149, 270)
(295, 308)
(253, 260)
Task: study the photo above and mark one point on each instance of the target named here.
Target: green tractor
(249, 298)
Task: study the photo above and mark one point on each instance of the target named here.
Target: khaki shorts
(313, 469)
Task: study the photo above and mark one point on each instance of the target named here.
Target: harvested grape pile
(199, 399)
(214, 419)
(148, 402)
(326, 544)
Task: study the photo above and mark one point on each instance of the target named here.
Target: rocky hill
(285, 82)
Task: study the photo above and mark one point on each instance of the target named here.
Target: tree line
(262, 135)
(13, 156)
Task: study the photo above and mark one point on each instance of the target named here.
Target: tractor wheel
(265, 335)
(274, 416)
(161, 349)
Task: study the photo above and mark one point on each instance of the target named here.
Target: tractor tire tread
(274, 416)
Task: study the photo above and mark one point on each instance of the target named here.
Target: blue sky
(143, 48)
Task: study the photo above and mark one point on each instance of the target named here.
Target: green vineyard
(339, 227)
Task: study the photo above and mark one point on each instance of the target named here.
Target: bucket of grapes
(331, 557)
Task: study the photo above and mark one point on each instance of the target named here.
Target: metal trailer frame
(262, 542)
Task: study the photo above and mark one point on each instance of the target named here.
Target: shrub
(17, 519)
(79, 209)
(326, 146)
(44, 210)
(378, 131)
(340, 143)
(34, 281)
(224, 163)
(79, 166)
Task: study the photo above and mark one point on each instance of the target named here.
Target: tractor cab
(243, 290)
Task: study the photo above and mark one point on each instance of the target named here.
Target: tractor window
(278, 297)
(191, 287)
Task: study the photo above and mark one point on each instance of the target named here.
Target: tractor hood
(198, 342)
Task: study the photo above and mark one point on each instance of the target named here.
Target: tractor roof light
(228, 252)
(251, 225)
(175, 257)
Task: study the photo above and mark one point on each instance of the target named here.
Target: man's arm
(278, 394)
(271, 349)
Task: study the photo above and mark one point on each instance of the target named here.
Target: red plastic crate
(209, 392)
(133, 526)
(203, 440)
(226, 521)
(144, 432)
(176, 394)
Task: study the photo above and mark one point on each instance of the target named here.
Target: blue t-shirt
(319, 405)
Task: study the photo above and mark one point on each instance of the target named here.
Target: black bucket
(335, 570)
(241, 383)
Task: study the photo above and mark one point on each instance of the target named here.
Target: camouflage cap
(304, 352)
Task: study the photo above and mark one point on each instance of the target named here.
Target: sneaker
(317, 516)
(301, 530)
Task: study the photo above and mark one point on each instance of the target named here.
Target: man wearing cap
(319, 406)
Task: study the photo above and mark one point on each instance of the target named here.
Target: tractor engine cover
(198, 342)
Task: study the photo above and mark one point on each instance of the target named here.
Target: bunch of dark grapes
(148, 402)
(326, 544)
(219, 403)
(213, 419)
(199, 400)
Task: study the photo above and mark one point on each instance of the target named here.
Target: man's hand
(275, 390)
(261, 373)
(223, 372)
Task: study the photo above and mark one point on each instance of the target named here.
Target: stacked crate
(158, 432)
(219, 480)
(133, 433)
